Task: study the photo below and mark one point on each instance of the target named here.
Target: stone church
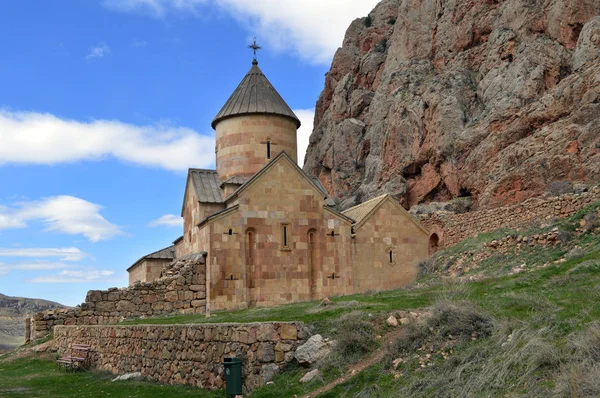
(271, 232)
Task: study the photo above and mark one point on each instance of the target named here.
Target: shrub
(578, 380)
(356, 336)
(591, 222)
(368, 21)
(460, 320)
(580, 376)
(575, 252)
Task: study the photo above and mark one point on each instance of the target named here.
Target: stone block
(93, 296)
(124, 305)
(114, 296)
(198, 303)
(198, 288)
(265, 332)
(171, 296)
(288, 332)
(105, 306)
(150, 298)
(265, 352)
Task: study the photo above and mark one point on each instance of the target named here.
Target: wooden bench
(78, 359)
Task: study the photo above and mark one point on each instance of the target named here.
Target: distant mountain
(13, 311)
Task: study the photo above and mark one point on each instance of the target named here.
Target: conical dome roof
(255, 95)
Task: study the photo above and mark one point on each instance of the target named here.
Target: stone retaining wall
(182, 289)
(188, 354)
(451, 229)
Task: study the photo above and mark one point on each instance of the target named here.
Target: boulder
(315, 349)
(310, 376)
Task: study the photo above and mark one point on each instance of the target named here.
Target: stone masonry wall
(188, 354)
(451, 229)
(181, 289)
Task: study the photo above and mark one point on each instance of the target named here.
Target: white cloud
(307, 117)
(314, 29)
(168, 220)
(33, 266)
(65, 254)
(97, 52)
(66, 214)
(41, 138)
(157, 8)
(137, 43)
(75, 276)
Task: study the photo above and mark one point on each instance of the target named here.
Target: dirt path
(358, 367)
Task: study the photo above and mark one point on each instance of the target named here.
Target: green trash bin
(233, 375)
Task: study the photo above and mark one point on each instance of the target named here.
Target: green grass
(38, 376)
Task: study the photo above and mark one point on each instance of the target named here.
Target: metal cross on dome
(255, 47)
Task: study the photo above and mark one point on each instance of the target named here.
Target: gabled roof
(365, 210)
(255, 95)
(168, 253)
(282, 155)
(207, 186)
(362, 211)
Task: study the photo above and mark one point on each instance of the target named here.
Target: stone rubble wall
(188, 354)
(181, 289)
(454, 228)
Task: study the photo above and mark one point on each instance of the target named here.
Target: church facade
(270, 232)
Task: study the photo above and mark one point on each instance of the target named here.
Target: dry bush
(461, 320)
(450, 323)
(580, 375)
(578, 381)
(591, 221)
(356, 336)
(575, 252)
(511, 359)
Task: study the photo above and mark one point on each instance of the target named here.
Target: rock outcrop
(430, 100)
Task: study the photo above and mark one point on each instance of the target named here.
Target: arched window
(250, 244)
(434, 243)
(230, 231)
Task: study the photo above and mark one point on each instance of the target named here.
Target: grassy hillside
(503, 319)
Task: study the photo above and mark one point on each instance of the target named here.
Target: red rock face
(495, 99)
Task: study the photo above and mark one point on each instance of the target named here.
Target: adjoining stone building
(270, 231)
(149, 267)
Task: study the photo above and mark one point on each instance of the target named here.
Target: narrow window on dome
(391, 256)
(268, 149)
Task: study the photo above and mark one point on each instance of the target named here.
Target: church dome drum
(253, 126)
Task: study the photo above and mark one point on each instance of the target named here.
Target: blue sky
(104, 104)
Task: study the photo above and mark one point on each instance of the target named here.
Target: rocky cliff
(435, 99)
(13, 311)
